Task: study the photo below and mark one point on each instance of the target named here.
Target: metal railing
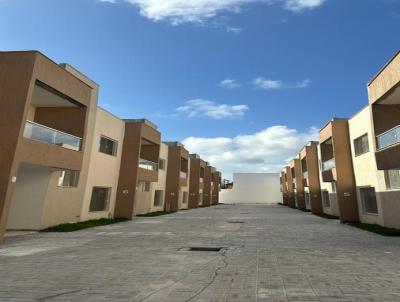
(183, 174)
(388, 138)
(51, 136)
(148, 165)
(328, 165)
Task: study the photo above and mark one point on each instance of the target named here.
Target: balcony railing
(388, 138)
(51, 136)
(305, 174)
(201, 179)
(183, 174)
(328, 165)
(148, 165)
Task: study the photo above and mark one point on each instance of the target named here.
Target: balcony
(201, 179)
(148, 165)
(51, 136)
(182, 174)
(328, 165)
(388, 138)
(305, 178)
(305, 174)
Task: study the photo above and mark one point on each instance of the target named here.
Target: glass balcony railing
(328, 165)
(148, 165)
(388, 138)
(183, 174)
(51, 136)
(305, 175)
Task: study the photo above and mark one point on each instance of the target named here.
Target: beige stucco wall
(64, 205)
(144, 201)
(181, 205)
(162, 179)
(327, 186)
(367, 175)
(103, 168)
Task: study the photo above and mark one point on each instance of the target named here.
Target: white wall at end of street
(253, 188)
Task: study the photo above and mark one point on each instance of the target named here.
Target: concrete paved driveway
(272, 253)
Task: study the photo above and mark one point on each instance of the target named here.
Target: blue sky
(242, 82)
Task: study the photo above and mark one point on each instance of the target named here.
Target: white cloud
(265, 151)
(200, 107)
(269, 84)
(229, 84)
(234, 30)
(198, 11)
(299, 5)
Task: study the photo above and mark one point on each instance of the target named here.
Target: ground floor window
(100, 199)
(144, 186)
(68, 178)
(325, 199)
(200, 198)
(392, 178)
(185, 197)
(158, 198)
(368, 199)
(308, 202)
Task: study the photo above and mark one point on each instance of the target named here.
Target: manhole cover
(202, 249)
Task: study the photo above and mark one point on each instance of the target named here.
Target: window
(334, 186)
(368, 199)
(68, 178)
(308, 202)
(144, 186)
(185, 197)
(108, 146)
(325, 199)
(361, 145)
(161, 164)
(100, 199)
(392, 178)
(200, 198)
(158, 198)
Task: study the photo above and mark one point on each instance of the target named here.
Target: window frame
(115, 145)
(161, 198)
(107, 205)
(324, 200)
(364, 208)
(75, 182)
(355, 145)
(387, 179)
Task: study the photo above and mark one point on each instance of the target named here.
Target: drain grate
(203, 249)
(235, 221)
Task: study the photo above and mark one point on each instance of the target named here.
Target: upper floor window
(361, 145)
(68, 178)
(161, 164)
(392, 178)
(108, 146)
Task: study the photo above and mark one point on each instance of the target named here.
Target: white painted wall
(253, 188)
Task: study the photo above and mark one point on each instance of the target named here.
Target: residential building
(47, 117)
(290, 187)
(196, 181)
(216, 187)
(297, 180)
(337, 175)
(139, 167)
(105, 161)
(208, 184)
(310, 177)
(284, 189)
(177, 189)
